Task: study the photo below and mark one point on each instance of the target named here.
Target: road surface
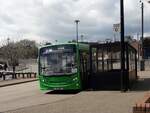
(26, 95)
(27, 98)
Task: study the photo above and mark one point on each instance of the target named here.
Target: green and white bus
(64, 66)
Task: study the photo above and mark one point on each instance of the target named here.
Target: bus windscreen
(58, 60)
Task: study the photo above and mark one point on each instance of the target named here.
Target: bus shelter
(105, 66)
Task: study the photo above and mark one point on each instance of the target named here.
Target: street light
(77, 21)
(142, 34)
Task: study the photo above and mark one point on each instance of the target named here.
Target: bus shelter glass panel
(100, 59)
(132, 59)
(109, 56)
(116, 57)
(94, 61)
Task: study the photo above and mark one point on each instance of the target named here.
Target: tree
(27, 49)
(23, 49)
(9, 53)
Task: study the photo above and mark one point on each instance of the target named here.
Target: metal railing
(17, 75)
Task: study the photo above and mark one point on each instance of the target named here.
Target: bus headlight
(75, 79)
(77, 84)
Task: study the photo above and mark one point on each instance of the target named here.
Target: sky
(50, 20)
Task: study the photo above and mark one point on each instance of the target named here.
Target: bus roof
(81, 45)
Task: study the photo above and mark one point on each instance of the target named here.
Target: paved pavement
(26, 98)
(88, 102)
(4, 83)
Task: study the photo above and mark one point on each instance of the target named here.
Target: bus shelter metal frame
(125, 80)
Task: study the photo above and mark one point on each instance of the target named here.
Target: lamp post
(142, 36)
(77, 21)
(123, 88)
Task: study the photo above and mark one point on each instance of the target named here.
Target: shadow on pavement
(65, 92)
(143, 84)
(102, 89)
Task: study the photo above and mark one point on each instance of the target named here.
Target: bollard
(14, 75)
(19, 75)
(22, 75)
(0, 74)
(34, 75)
(4, 77)
(27, 75)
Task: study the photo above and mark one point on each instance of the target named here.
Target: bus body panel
(63, 82)
(67, 82)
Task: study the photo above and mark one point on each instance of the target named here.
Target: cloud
(54, 19)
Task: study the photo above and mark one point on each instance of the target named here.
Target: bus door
(84, 71)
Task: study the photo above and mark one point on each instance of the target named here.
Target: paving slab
(95, 101)
(4, 83)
